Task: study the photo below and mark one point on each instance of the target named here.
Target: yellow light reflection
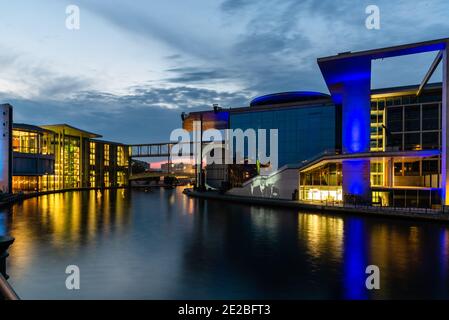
(321, 234)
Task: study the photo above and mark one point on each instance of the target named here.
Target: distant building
(177, 168)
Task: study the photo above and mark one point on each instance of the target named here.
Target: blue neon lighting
(356, 178)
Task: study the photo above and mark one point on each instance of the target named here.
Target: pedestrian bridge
(163, 149)
(158, 175)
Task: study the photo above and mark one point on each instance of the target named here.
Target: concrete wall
(6, 148)
(279, 185)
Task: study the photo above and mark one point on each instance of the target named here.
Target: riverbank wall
(10, 199)
(398, 213)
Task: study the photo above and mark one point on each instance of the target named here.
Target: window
(430, 118)
(25, 142)
(106, 155)
(411, 168)
(121, 156)
(430, 140)
(430, 166)
(395, 141)
(92, 154)
(412, 141)
(394, 119)
(398, 168)
(412, 118)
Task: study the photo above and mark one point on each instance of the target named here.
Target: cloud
(145, 23)
(247, 48)
(23, 77)
(146, 114)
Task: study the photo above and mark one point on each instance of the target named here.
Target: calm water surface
(163, 245)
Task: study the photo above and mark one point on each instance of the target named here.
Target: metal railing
(6, 291)
(386, 209)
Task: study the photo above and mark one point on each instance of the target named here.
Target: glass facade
(399, 123)
(51, 159)
(406, 123)
(322, 184)
(25, 141)
(303, 131)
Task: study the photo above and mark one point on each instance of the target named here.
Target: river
(132, 244)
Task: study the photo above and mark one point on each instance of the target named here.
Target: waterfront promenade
(389, 212)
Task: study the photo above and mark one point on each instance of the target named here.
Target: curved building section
(288, 97)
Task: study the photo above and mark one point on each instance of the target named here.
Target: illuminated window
(70, 160)
(25, 142)
(121, 157)
(92, 154)
(106, 155)
(24, 184)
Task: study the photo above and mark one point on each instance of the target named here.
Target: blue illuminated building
(382, 147)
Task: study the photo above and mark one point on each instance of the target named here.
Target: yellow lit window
(92, 154)
(106, 155)
(106, 179)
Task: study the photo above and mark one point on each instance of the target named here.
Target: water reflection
(2, 225)
(355, 259)
(322, 235)
(161, 244)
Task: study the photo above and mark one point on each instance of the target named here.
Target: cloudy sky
(134, 66)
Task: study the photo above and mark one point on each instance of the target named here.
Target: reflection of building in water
(56, 157)
(265, 221)
(322, 234)
(2, 224)
(355, 259)
(395, 249)
(68, 220)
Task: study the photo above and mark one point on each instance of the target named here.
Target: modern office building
(382, 147)
(57, 157)
(404, 153)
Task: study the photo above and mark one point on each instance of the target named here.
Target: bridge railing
(163, 149)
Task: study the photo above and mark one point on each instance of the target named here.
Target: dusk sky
(134, 66)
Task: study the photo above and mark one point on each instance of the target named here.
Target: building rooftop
(70, 130)
(351, 69)
(393, 51)
(288, 97)
(29, 127)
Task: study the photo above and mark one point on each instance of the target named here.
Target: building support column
(444, 128)
(356, 119)
(390, 176)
